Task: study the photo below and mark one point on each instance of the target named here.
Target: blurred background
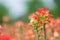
(20, 9)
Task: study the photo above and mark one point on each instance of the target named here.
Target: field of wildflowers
(42, 26)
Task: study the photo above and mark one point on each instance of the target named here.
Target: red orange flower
(57, 30)
(43, 10)
(33, 16)
(5, 37)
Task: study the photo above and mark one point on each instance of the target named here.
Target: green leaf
(41, 38)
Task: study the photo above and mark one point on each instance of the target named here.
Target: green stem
(44, 32)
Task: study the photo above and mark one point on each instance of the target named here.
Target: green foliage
(42, 38)
(3, 11)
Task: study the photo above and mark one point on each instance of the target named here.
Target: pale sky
(17, 8)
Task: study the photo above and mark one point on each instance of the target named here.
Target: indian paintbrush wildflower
(41, 17)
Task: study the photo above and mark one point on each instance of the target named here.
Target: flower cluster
(42, 21)
(40, 17)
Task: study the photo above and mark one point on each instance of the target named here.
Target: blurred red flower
(57, 30)
(5, 37)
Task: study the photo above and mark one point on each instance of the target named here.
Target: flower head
(40, 17)
(43, 10)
